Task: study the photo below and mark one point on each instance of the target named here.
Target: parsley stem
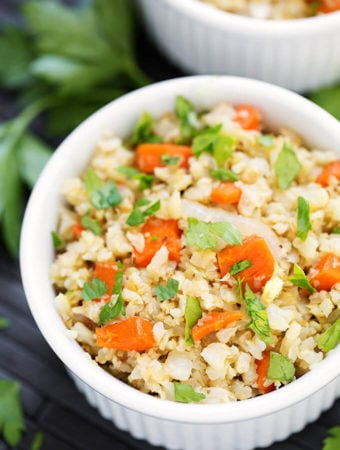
(136, 74)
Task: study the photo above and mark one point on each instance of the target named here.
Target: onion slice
(246, 225)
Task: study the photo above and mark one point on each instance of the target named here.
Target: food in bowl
(276, 9)
(199, 261)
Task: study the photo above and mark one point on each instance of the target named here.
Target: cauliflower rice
(169, 280)
(276, 9)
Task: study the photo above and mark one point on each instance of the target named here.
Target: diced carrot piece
(248, 117)
(107, 273)
(226, 193)
(214, 321)
(330, 171)
(149, 156)
(262, 370)
(326, 273)
(257, 251)
(77, 229)
(158, 232)
(328, 6)
(133, 333)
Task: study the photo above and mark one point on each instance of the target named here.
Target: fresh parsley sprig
(66, 71)
(11, 415)
(280, 368)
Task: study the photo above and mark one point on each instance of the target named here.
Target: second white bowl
(299, 54)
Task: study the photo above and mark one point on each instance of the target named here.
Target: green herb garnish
(185, 393)
(56, 239)
(206, 235)
(37, 441)
(187, 116)
(211, 141)
(332, 441)
(330, 338)
(143, 130)
(168, 291)
(137, 216)
(240, 267)
(280, 368)
(329, 99)
(97, 288)
(91, 224)
(192, 314)
(267, 140)
(145, 180)
(170, 160)
(116, 305)
(11, 415)
(4, 323)
(303, 219)
(300, 279)
(336, 230)
(287, 166)
(102, 195)
(258, 314)
(223, 174)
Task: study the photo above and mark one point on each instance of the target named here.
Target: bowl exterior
(233, 426)
(244, 435)
(297, 61)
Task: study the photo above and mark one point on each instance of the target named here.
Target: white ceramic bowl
(236, 425)
(299, 54)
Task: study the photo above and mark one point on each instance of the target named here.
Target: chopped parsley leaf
(300, 279)
(240, 267)
(304, 224)
(102, 195)
(192, 314)
(206, 235)
(137, 216)
(223, 174)
(286, 167)
(280, 368)
(185, 393)
(91, 224)
(168, 291)
(97, 288)
(330, 338)
(11, 415)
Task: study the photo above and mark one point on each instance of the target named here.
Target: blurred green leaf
(16, 55)
(329, 99)
(33, 155)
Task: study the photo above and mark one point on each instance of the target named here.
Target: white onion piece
(245, 225)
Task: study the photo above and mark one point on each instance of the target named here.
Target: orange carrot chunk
(326, 273)
(332, 170)
(149, 156)
(214, 321)
(77, 229)
(248, 117)
(130, 334)
(328, 6)
(257, 251)
(158, 232)
(107, 273)
(262, 370)
(226, 193)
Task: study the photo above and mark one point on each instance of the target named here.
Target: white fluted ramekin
(234, 426)
(298, 54)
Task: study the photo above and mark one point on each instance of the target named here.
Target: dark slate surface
(51, 402)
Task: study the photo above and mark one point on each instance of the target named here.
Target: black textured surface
(51, 402)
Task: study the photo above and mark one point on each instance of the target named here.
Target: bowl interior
(279, 107)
